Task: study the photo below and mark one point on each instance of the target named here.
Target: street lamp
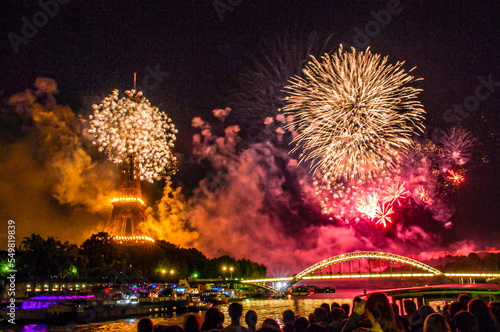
(224, 268)
(231, 269)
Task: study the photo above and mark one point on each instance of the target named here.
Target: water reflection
(264, 309)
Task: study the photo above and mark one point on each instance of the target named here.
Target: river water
(302, 306)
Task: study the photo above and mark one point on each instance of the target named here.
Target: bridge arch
(364, 255)
(263, 286)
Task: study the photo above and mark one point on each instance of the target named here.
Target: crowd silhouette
(375, 314)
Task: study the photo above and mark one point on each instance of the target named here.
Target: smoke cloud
(257, 202)
(49, 182)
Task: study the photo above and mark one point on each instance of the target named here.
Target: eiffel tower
(128, 207)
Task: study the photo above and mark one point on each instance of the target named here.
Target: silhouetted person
(425, 311)
(145, 325)
(235, 311)
(320, 316)
(464, 300)
(485, 320)
(251, 320)
(337, 316)
(379, 312)
(495, 310)
(301, 324)
(192, 324)
(455, 307)
(347, 309)
(270, 323)
(288, 320)
(312, 320)
(326, 306)
(212, 320)
(436, 323)
(410, 307)
(465, 322)
(401, 322)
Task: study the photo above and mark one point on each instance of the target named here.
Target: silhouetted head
(145, 325)
(464, 300)
(338, 314)
(465, 322)
(235, 310)
(320, 315)
(212, 319)
(494, 304)
(191, 324)
(288, 317)
(455, 307)
(425, 311)
(270, 323)
(395, 308)
(409, 306)
(436, 323)
(335, 305)
(312, 319)
(495, 310)
(326, 306)
(379, 310)
(251, 318)
(347, 308)
(300, 324)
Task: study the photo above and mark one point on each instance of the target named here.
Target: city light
(141, 238)
(127, 200)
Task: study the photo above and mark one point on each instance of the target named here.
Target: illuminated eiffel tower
(128, 208)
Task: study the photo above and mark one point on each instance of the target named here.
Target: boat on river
(438, 295)
(311, 290)
(214, 297)
(88, 308)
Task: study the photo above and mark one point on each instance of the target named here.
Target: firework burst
(383, 214)
(455, 177)
(130, 128)
(396, 193)
(354, 112)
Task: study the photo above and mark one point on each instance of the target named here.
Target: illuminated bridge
(370, 264)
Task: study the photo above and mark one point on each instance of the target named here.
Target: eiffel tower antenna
(135, 79)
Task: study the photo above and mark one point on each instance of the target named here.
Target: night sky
(200, 48)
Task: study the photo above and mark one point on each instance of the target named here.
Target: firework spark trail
(355, 114)
(457, 144)
(130, 127)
